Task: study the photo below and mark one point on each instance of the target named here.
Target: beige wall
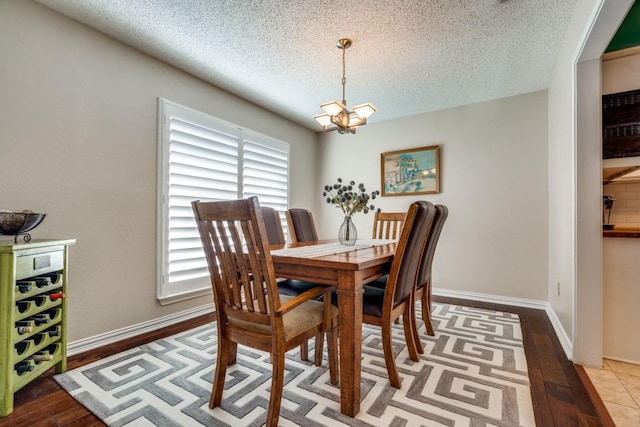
(78, 124)
(621, 74)
(621, 296)
(494, 181)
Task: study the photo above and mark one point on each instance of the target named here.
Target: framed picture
(410, 172)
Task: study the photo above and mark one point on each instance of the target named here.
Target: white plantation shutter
(203, 164)
(203, 158)
(265, 173)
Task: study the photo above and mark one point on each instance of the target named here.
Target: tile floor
(618, 385)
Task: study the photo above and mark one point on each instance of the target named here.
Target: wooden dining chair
(249, 310)
(388, 225)
(273, 225)
(290, 287)
(423, 285)
(302, 228)
(381, 305)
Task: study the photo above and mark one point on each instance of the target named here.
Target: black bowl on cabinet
(17, 223)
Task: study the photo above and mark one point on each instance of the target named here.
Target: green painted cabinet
(33, 313)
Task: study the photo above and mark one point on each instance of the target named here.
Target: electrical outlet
(558, 288)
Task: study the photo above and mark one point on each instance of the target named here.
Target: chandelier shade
(364, 110)
(323, 119)
(333, 108)
(337, 116)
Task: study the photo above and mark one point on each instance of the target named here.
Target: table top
(330, 253)
(370, 261)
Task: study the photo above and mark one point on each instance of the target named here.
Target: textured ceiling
(408, 57)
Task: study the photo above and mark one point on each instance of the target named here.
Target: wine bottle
(25, 322)
(24, 286)
(41, 356)
(22, 346)
(26, 304)
(23, 305)
(37, 338)
(24, 366)
(24, 330)
(56, 296)
(40, 319)
(43, 281)
(52, 332)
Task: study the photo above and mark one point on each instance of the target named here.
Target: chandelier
(337, 116)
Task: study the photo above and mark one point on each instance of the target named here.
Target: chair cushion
(372, 300)
(294, 287)
(380, 282)
(297, 321)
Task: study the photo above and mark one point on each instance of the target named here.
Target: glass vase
(347, 233)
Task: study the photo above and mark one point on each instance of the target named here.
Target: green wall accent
(628, 35)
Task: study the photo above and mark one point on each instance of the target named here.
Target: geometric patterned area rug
(472, 373)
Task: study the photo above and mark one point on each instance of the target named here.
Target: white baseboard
(107, 338)
(620, 359)
(564, 339)
(495, 299)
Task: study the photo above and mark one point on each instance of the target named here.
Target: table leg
(350, 307)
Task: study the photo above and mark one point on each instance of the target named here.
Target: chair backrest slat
(388, 225)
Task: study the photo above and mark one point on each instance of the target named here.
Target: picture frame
(410, 172)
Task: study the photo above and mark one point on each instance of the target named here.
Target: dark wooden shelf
(621, 232)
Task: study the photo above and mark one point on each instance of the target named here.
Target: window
(204, 158)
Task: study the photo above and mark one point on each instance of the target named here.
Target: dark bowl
(14, 223)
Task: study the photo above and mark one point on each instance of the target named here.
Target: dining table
(348, 268)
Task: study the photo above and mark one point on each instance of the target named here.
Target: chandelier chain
(344, 79)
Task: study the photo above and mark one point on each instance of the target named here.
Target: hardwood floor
(560, 397)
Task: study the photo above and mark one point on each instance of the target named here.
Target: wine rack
(33, 313)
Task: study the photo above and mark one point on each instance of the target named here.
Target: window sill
(170, 299)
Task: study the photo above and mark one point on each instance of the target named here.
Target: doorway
(588, 319)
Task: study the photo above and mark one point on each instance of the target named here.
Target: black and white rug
(473, 373)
